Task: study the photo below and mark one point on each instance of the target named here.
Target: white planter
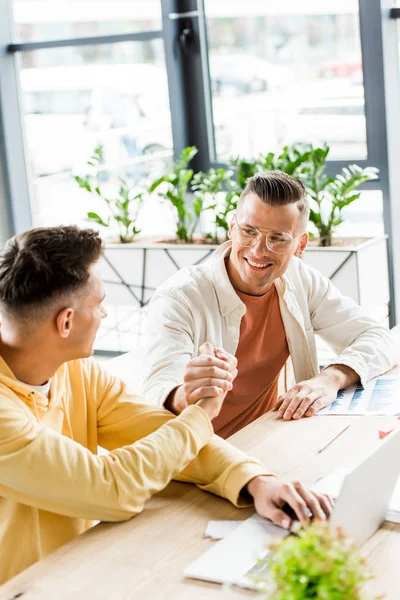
(360, 272)
(132, 272)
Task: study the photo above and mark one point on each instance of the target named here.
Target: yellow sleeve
(219, 468)
(49, 471)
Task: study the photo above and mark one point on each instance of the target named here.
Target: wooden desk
(145, 557)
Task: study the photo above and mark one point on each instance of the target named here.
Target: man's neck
(29, 363)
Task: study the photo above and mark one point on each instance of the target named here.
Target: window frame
(184, 35)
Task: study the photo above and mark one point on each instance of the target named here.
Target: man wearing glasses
(258, 304)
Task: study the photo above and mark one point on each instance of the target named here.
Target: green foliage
(317, 564)
(290, 160)
(244, 169)
(122, 209)
(218, 192)
(328, 196)
(173, 187)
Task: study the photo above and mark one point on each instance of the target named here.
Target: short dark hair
(41, 264)
(278, 189)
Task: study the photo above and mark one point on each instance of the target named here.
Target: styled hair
(42, 264)
(278, 189)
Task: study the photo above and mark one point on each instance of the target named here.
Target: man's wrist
(175, 401)
(339, 376)
(254, 484)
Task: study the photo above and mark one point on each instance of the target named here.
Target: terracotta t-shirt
(261, 354)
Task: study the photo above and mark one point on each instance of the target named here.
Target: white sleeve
(170, 347)
(361, 343)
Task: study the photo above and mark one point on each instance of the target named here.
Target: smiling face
(252, 270)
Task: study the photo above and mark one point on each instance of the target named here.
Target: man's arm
(47, 470)
(41, 468)
(361, 343)
(365, 348)
(219, 468)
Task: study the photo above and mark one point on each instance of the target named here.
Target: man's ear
(302, 245)
(64, 322)
(231, 226)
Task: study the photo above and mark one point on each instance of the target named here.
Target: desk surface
(145, 557)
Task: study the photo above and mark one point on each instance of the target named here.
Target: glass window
(75, 99)
(283, 72)
(38, 20)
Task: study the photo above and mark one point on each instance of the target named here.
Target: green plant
(318, 563)
(330, 195)
(122, 209)
(290, 160)
(219, 193)
(244, 169)
(175, 189)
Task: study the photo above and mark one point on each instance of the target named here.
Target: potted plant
(174, 188)
(317, 563)
(330, 195)
(219, 193)
(346, 261)
(122, 207)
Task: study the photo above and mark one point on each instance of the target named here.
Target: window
(284, 72)
(78, 98)
(39, 20)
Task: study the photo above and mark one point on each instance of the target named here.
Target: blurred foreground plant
(317, 563)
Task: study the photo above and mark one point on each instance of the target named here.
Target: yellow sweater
(52, 483)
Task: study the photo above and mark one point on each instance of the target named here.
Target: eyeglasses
(277, 242)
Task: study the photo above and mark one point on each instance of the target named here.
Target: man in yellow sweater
(57, 405)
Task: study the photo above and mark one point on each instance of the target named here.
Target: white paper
(381, 396)
(217, 530)
(332, 483)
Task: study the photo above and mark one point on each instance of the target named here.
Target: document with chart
(381, 396)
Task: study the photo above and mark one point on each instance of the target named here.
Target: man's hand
(308, 397)
(212, 397)
(271, 495)
(209, 375)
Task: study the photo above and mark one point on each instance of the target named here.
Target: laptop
(359, 510)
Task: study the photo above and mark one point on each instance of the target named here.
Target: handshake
(207, 380)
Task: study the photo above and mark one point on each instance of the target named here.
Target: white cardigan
(198, 304)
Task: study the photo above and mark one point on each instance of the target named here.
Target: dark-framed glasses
(278, 242)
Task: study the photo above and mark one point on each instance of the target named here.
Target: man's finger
(297, 503)
(312, 501)
(197, 390)
(204, 392)
(206, 360)
(326, 503)
(315, 407)
(192, 374)
(207, 348)
(279, 517)
(221, 353)
(295, 403)
(305, 404)
(285, 401)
